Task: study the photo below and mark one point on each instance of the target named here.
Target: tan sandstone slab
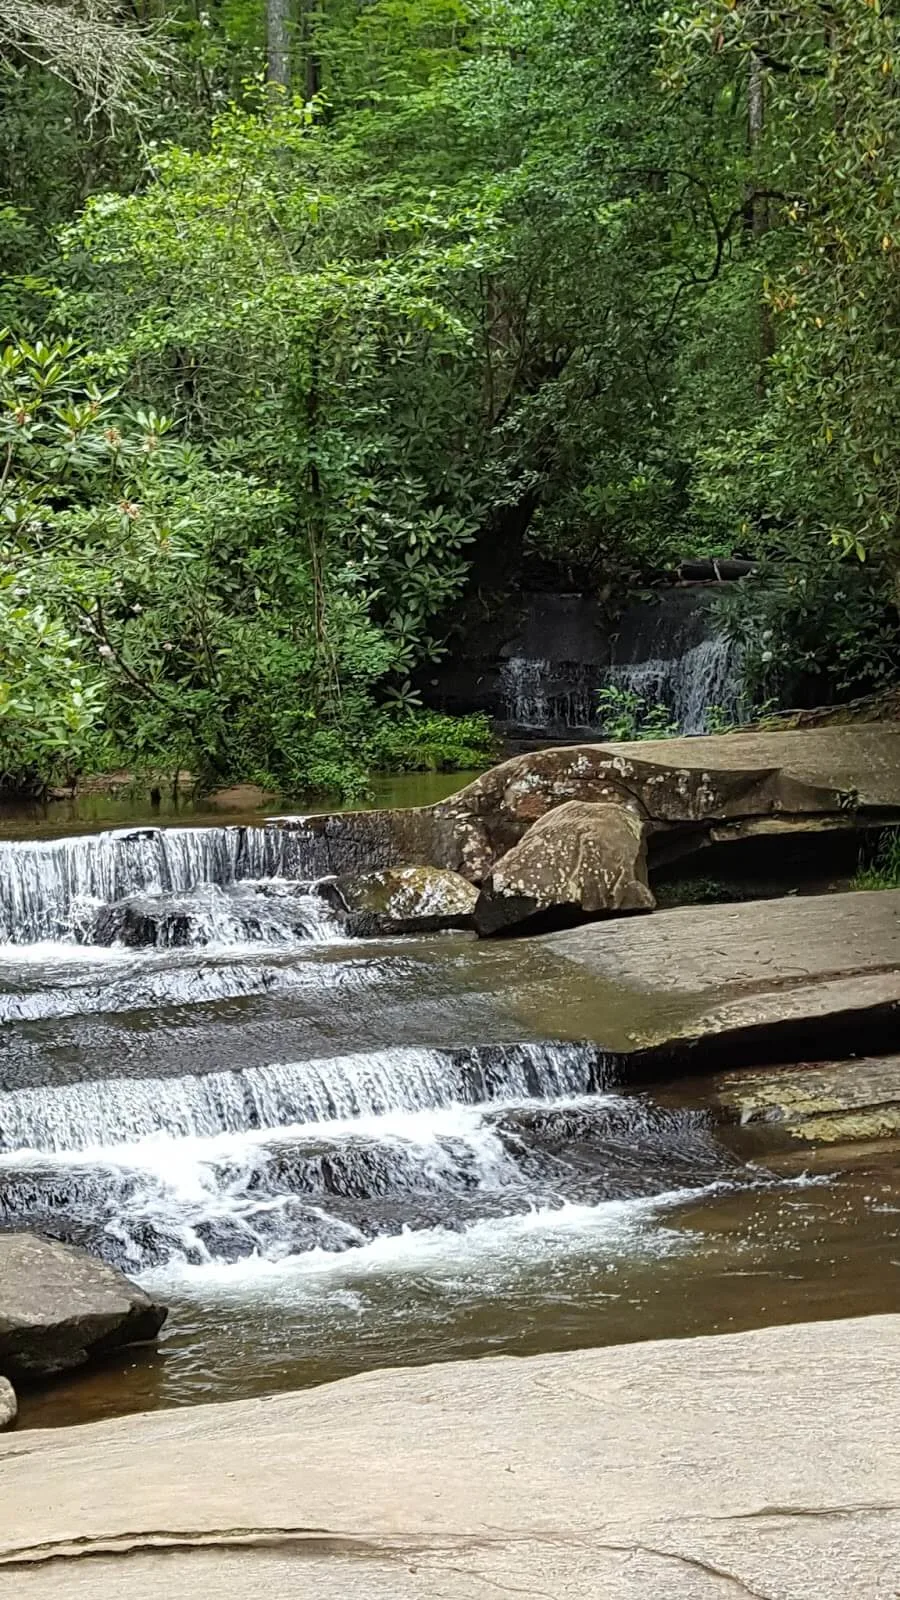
(745, 975)
(863, 760)
(746, 946)
(762, 1464)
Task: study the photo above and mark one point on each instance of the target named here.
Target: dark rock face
(138, 922)
(402, 900)
(59, 1307)
(580, 860)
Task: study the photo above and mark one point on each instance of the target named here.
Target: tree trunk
(759, 208)
(278, 51)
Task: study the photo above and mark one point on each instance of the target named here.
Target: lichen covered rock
(580, 860)
(402, 900)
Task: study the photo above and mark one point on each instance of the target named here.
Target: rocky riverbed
(240, 1066)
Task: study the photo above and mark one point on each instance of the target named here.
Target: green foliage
(429, 741)
(819, 460)
(815, 626)
(561, 291)
(137, 582)
(626, 715)
(880, 869)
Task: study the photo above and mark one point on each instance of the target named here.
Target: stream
(327, 1155)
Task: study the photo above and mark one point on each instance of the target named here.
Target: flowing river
(329, 1154)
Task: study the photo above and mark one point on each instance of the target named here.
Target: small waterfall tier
(164, 887)
(327, 1155)
(112, 1111)
(703, 682)
(670, 653)
(693, 687)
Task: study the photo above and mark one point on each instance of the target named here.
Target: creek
(328, 1155)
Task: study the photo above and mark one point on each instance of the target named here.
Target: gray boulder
(59, 1307)
(9, 1406)
(580, 860)
(402, 900)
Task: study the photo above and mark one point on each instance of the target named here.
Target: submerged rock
(265, 911)
(402, 900)
(581, 860)
(59, 1307)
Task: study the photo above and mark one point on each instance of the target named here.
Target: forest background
(323, 316)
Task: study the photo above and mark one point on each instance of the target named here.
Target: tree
(110, 63)
(278, 50)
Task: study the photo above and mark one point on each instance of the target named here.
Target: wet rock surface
(816, 1102)
(59, 1307)
(273, 912)
(401, 900)
(762, 980)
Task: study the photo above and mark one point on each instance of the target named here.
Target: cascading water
(671, 655)
(542, 696)
(204, 1084)
(236, 880)
(327, 1154)
(705, 679)
(121, 1111)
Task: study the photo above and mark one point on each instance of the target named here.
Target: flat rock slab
(59, 1307)
(863, 759)
(761, 1464)
(741, 975)
(748, 946)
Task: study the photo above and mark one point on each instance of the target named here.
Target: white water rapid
(203, 1083)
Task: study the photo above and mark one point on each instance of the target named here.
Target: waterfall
(544, 696)
(547, 696)
(522, 685)
(324, 1156)
(690, 686)
(51, 889)
(110, 1111)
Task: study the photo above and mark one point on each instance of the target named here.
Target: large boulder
(59, 1307)
(679, 785)
(402, 900)
(580, 860)
(492, 814)
(9, 1406)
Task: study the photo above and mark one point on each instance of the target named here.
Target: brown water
(243, 805)
(739, 1260)
(327, 1156)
